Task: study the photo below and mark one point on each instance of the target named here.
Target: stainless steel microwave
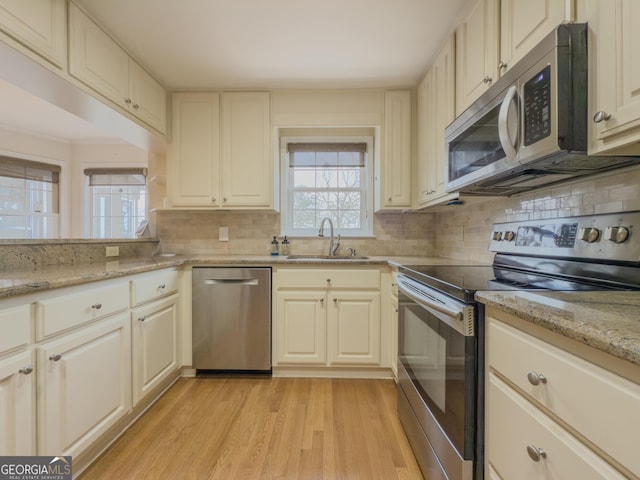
(529, 129)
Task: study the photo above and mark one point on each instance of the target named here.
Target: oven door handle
(450, 312)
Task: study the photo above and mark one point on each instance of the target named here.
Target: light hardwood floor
(265, 428)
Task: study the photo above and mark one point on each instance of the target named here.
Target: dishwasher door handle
(232, 281)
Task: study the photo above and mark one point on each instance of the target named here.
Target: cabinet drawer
(328, 278)
(507, 453)
(15, 325)
(153, 285)
(595, 402)
(79, 306)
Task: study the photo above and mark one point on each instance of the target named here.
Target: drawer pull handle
(55, 357)
(601, 116)
(162, 286)
(536, 453)
(536, 378)
(26, 370)
(96, 306)
(142, 319)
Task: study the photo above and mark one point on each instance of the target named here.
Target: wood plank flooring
(265, 428)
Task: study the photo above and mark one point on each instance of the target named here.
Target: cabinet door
(424, 140)
(154, 345)
(300, 326)
(616, 25)
(84, 382)
(393, 178)
(148, 98)
(195, 151)
(40, 26)
(523, 23)
(476, 53)
(393, 313)
(353, 327)
(95, 59)
(17, 405)
(247, 165)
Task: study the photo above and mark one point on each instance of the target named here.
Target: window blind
(29, 170)
(327, 154)
(116, 176)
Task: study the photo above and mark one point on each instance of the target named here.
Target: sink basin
(326, 257)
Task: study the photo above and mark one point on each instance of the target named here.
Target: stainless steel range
(441, 326)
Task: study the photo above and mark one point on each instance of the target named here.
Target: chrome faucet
(333, 245)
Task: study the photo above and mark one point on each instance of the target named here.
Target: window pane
(304, 177)
(117, 210)
(349, 200)
(349, 219)
(327, 178)
(349, 178)
(304, 200)
(12, 195)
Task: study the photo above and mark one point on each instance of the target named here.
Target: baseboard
(333, 372)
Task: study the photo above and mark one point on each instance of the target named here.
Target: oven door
(437, 357)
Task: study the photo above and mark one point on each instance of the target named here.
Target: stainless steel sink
(326, 257)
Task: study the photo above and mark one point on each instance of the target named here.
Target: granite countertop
(19, 282)
(607, 321)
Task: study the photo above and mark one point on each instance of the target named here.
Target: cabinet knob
(487, 79)
(127, 101)
(335, 300)
(601, 116)
(396, 310)
(328, 280)
(224, 199)
(26, 370)
(536, 453)
(136, 106)
(55, 357)
(142, 319)
(96, 306)
(322, 300)
(502, 66)
(536, 378)
(389, 199)
(162, 286)
(213, 199)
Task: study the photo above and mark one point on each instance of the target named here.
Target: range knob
(497, 236)
(509, 236)
(589, 234)
(616, 234)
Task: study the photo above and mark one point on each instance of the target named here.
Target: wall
(463, 232)
(251, 232)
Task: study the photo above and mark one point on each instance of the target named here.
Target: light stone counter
(22, 281)
(606, 321)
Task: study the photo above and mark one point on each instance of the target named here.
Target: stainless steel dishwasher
(231, 319)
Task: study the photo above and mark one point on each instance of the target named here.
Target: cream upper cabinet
(221, 151)
(84, 385)
(436, 109)
(615, 77)
(97, 60)
(39, 25)
(393, 172)
(195, 150)
(246, 163)
(325, 317)
(523, 23)
(476, 53)
(551, 395)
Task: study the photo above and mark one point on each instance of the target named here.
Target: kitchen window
(29, 199)
(327, 177)
(117, 201)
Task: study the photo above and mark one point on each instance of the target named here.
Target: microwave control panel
(537, 107)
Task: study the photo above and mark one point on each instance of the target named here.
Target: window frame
(286, 197)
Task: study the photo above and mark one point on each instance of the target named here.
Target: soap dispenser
(275, 246)
(285, 247)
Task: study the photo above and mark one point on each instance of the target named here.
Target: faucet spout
(332, 245)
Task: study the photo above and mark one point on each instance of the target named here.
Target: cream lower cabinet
(17, 405)
(574, 419)
(326, 317)
(154, 345)
(84, 385)
(615, 79)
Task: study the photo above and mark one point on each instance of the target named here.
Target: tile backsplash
(460, 232)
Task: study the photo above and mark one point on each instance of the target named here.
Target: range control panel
(604, 237)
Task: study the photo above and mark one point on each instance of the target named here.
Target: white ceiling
(216, 44)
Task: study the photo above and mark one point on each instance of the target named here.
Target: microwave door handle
(503, 124)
